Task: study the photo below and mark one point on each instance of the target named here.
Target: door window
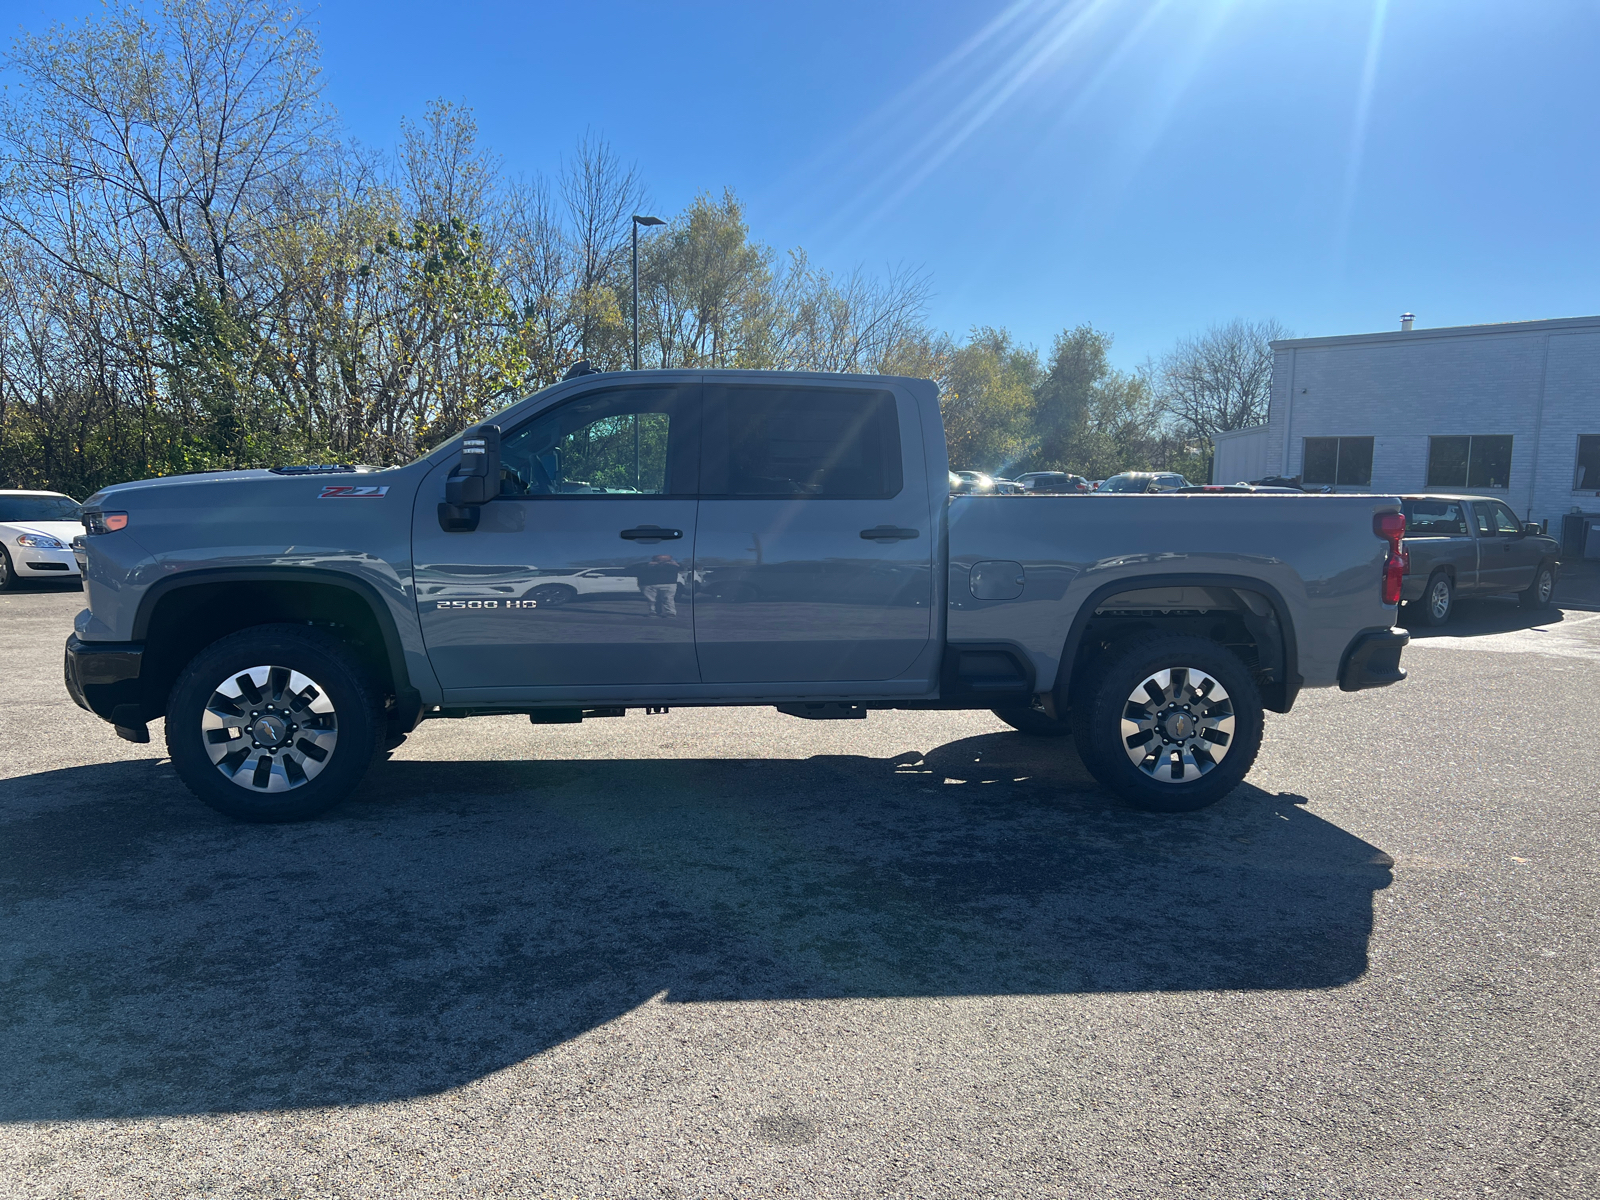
(628, 442)
(1505, 521)
(820, 443)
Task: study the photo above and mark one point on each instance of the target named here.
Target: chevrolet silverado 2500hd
(683, 538)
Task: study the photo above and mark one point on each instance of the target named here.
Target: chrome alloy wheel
(1177, 724)
(269, 729)
(1439, 599)
(1546, 584)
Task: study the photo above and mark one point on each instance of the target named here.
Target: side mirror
(475, 481)
(1532, 529)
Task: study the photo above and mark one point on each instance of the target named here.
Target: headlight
(39, 542)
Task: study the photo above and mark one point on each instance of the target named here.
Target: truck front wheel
(273, 723)
(1171, 725)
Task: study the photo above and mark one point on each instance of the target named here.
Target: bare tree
(852, 324)
(1222, 379)
(131, 144)
(602, 195)
(541, 270)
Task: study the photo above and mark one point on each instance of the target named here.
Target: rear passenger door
(814, 552)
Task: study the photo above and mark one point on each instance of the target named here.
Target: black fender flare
(1292, 681)
(408, 698)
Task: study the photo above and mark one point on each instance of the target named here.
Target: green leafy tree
(988, 401)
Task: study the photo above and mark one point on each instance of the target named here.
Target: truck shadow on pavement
(457, 918)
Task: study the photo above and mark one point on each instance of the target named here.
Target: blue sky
(1151, 167)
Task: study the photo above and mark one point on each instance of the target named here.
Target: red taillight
(1394, 572)
(1391, 527)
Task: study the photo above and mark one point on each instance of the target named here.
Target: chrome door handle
(652, 533)
(888, 533)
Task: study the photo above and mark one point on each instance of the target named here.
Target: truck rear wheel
(274, 723)
(1032, 722)
(1172, 725)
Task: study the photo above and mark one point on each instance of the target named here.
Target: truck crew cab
(684, 538)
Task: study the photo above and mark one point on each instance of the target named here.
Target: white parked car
(36, 532)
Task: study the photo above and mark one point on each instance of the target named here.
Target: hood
(106, 497)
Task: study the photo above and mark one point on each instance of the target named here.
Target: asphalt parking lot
(730, 953)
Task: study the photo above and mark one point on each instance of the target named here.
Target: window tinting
(1344, 461)
(38, 508)
(786, 441)
(630, 441)
(1478, 462)
(1588, 475)
(1434, 518)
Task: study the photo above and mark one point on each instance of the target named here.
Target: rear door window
(820, 443)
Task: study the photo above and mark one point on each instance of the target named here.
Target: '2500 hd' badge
(343, 491)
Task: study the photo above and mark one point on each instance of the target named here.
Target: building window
(1345, 461)
(1473, 462)
(1588, 476)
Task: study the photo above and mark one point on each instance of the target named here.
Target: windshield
(38, 508)
(1125, 483)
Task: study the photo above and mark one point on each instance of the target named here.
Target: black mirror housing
(477, 479)
(474, 482)
(1532, 528)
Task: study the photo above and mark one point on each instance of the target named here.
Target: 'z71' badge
(343, 491)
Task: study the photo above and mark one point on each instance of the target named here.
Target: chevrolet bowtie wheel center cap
(270, 731)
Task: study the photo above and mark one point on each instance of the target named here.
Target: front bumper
(1373, 660)
(37, 563)
(103, 677)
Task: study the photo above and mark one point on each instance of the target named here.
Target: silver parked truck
(660, 539)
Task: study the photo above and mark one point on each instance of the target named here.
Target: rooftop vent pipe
(1405, 321)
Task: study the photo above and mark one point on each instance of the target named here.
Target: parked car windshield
(39, 508)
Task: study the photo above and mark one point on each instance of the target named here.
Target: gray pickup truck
(1473, 546)
(668, 538)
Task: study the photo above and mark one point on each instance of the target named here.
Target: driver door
(576, 575)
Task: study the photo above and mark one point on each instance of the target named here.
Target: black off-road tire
(1541, 590)
(356, 702)
(1104, 697)
(1438, 602)
(8, 573)
(1032, 721)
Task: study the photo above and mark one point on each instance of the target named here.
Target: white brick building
(1508, 410)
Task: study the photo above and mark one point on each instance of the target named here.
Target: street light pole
(638, 221)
